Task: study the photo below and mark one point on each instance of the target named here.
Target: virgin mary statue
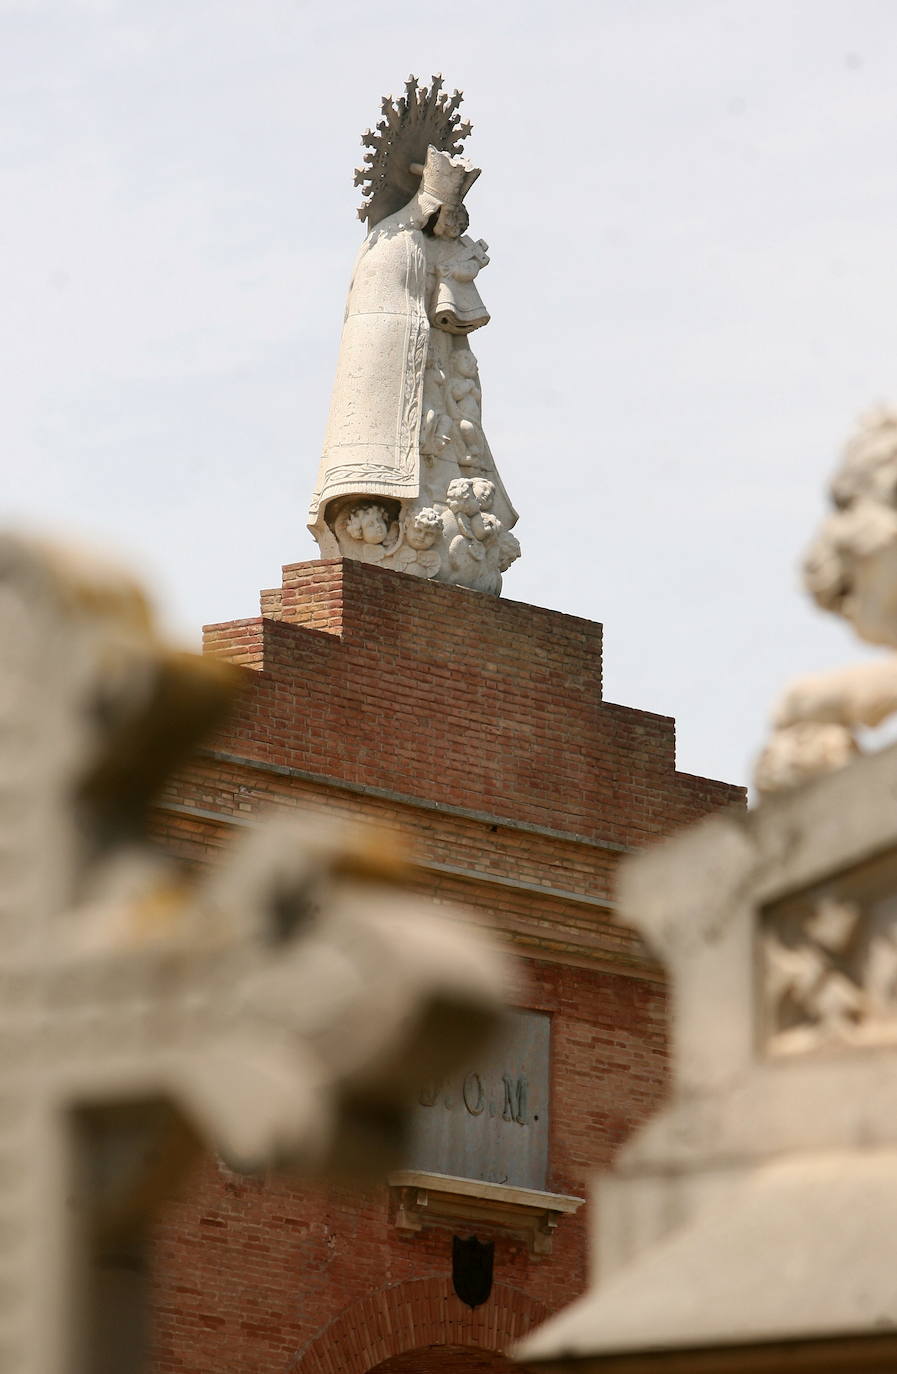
(407, 478)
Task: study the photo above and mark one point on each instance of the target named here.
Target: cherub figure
(415, 553)
(369, 523)
(470, 501)
(483, 523)
(372, 527)
(462, 503)
(465, 400)
(422, 527)
(850, 569)
(473, 532)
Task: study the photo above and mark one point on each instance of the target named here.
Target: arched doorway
(418, 1325)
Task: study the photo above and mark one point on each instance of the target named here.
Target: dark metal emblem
(472, 1269)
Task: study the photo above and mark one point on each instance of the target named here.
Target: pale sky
(691, 207)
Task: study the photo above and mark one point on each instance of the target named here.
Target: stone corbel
(422, 1199)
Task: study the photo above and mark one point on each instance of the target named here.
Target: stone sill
(423, 1199)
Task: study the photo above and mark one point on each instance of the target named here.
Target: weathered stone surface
(489, 1121)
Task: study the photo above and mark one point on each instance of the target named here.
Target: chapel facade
(474, 726)
(390, 685)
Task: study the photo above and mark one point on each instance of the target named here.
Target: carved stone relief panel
(490, 1122)
(828, 963)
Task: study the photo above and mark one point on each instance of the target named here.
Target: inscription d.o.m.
(479, 1093)
(491, 1123)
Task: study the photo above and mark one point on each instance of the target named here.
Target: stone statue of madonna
(407, 479)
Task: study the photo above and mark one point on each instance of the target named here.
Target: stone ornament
(851, 570)
(421, 1199)
(829, 970)
(405, 424)
(283, 1009)
(749, 1226)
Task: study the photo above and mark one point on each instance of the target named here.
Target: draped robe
(371, 446)
(372, 441)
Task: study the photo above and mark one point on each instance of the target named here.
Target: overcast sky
(691, 207)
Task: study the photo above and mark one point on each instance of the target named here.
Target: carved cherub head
(483, 491)
(422, 527)
(487, 527)
(461, 497)
(851, 566)
(370, 524)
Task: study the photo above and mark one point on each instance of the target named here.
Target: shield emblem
(472, 1269)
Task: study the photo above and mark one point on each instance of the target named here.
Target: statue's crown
(446, 177)
(424, 117)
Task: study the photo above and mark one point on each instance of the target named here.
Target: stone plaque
(491, 1121)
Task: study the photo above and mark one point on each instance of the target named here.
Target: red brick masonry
(476, 726)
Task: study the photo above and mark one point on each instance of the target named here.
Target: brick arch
(448, 1359)
(417, 1315)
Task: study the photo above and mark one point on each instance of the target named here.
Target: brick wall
(451, 694)
(476, 727)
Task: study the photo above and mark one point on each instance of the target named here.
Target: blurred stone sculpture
(750, 1225)
(406, 412)
(283, 1009)
(851, 570)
